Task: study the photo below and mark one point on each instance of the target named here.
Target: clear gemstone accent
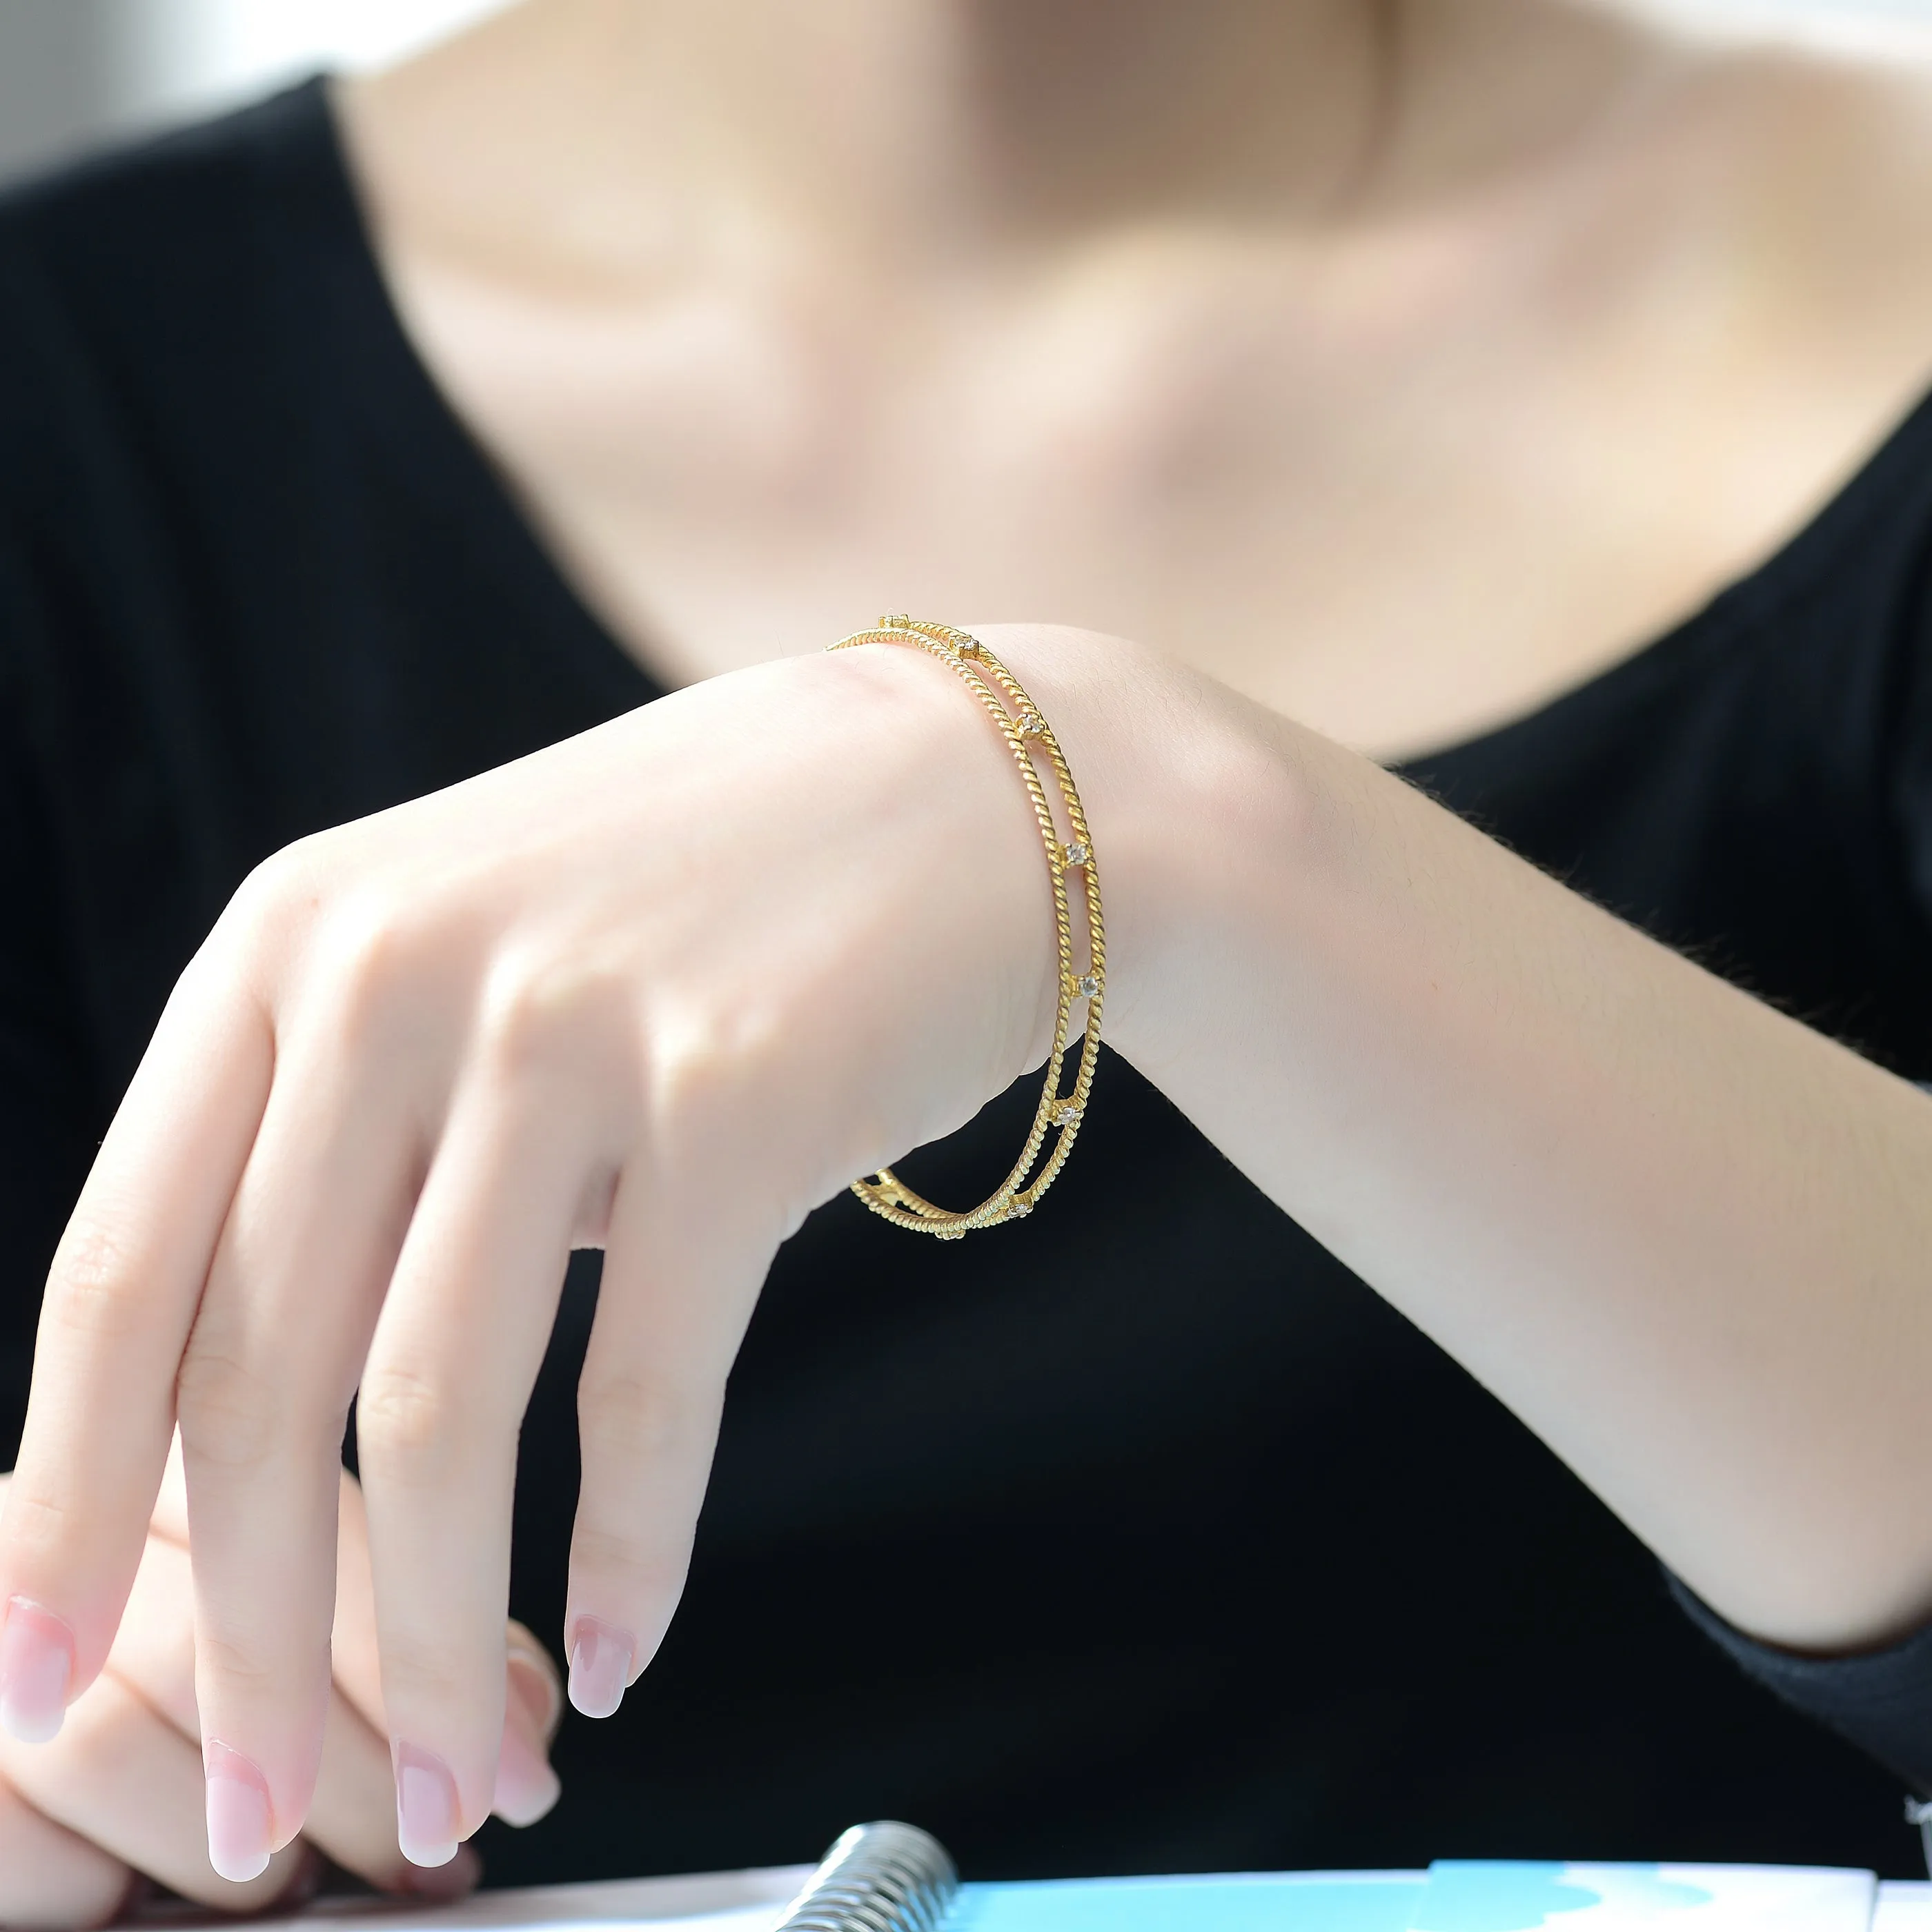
(1018, 1208)
(1065, 1112)
(1031, 725)
(1076, 852)
(969, 647)
(1087, 985)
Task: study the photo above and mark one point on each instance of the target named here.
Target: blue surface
(1455, 1895)
(1268, 1902)
(1498, 1895)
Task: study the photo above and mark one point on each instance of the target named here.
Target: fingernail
(36, 1667)
(600, 1666)
(239, 1833)
(442, 1883)
(427, 1813)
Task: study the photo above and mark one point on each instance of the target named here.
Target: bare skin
(1398, 367)
(1387, 370)
(118, 1798)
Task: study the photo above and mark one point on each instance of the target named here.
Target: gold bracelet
(1026, 733)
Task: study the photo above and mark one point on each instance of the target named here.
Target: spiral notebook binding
(884, 1877)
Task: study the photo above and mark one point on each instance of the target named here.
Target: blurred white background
(173, 55)
(74, 72)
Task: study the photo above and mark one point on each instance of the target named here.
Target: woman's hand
(119, 1796)
(663, 988)
(668, 986)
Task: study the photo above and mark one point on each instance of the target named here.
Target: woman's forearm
(666, 985)
(1687, 1239)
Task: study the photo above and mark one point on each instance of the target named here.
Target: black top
(1141, 1538)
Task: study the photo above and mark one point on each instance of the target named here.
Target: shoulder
(159, 337)
(1808, 169)
(153, 218)
(148, 268)
(1759, 246)
(1828, 203)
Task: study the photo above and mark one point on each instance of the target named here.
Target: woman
(1419, 375)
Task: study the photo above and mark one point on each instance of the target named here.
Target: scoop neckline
(1805, 555)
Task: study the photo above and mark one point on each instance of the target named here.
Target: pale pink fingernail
(36, 1667)
(239, 1830)
(600, 1666)
(427, 1816)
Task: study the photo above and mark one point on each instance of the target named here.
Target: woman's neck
(915, 127)
(929, 135)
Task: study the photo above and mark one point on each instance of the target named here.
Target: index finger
(120, 1299)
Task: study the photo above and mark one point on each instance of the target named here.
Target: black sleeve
(49, 1086)
(1880, 1700)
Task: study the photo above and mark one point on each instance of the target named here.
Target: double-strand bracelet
(1069, 859)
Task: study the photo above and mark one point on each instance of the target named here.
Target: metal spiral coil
(886, 1877)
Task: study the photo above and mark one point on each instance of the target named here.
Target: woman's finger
(678, 1289)
(527, 1787)
(51, 1879)
(353, 1816)
(119, 1302)
(266, 1379)
(449, 1375)
(125, 1779)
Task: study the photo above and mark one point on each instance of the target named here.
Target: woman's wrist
(1666, 1224)
(1194, 797)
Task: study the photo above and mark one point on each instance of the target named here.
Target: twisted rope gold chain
(1030, 740)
